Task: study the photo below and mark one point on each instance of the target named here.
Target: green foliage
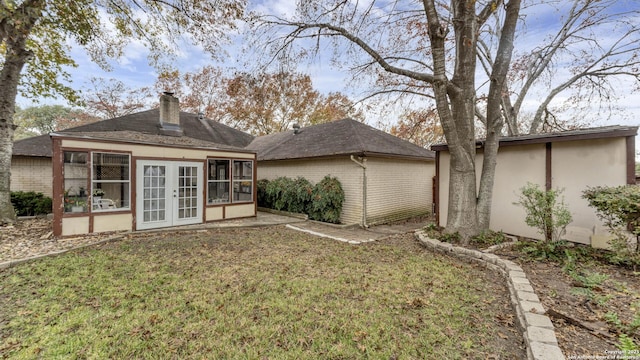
(279, 193)
(31, 203)
(157, 26)
(489, 238)
(589, 280)
(452, 238)
(543, 250)
(629, 328)
(432, 230)
(546, 211)
(587, 283)
(326, 200)
(322, 202)
(628, 345)
(300, 195)
(38, 120)
(286, 194)
(262, 193)
(619, 209)
(291, 297)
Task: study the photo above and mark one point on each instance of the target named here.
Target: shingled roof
(145, 122)
(342, 137)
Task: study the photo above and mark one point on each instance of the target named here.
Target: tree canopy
(39, 33)
(44, 119)
(259, 103)
(458, 57)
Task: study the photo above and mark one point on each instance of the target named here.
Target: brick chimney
(170, 114)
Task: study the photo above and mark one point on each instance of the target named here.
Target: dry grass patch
(248, 294)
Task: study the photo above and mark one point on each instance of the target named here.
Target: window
(110, 181)
(224, 179)
(242, 181)
(218, 183)
(75, 182)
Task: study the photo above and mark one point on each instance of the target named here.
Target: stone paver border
(537, 329)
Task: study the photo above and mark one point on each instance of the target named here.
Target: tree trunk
(495, 112)
(8, 90)
(16, 55)
(462, 215)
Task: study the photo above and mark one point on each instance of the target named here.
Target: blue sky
(133, 68)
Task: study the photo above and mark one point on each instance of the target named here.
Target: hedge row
(31, 203)
(322, 202)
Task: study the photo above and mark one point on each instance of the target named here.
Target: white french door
(169, 193)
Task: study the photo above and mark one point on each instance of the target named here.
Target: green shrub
(545, 210)
(31, 203)
(275, 192)
(322, 202)
(544, 250)
(619, 209)
(452, 238)
(326, 201)
(299, 196)
(489, 238)
(262, 193)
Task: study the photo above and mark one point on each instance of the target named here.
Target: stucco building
(570, 160)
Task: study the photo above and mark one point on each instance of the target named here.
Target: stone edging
(12, 263)
(539, 336)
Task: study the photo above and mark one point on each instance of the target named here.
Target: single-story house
(107, 178)
(384, 177)
(570, 160)
(31, 165)
(31, 168)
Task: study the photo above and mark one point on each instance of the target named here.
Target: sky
(133, 68)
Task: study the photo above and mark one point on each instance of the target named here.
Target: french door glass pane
(153, 193)
(187, 192)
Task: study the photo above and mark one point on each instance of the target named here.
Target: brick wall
(396, 189)
(31, 174)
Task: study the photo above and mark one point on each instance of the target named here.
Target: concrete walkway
(352, 234)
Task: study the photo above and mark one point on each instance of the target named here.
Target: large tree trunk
(16, 56)
(462, 215)
(8, 90)
(495, 122)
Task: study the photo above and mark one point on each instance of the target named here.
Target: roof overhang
(176, 144)
(358, 154)
(571, 135)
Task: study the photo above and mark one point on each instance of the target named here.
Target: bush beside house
(322, 202)
(30, 203)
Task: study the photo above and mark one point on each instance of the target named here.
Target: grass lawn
(268, 293)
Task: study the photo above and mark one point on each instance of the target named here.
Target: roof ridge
(361, 144)
(277, 144)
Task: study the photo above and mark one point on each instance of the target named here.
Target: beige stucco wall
(31, 174)
(579, 164)
(113, 222)
(239, 211)
(517, 166)
(575, 165)
(395, 188)
(155, 151)
(214, 213)
(75, 225)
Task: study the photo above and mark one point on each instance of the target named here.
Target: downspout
(363, 165)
